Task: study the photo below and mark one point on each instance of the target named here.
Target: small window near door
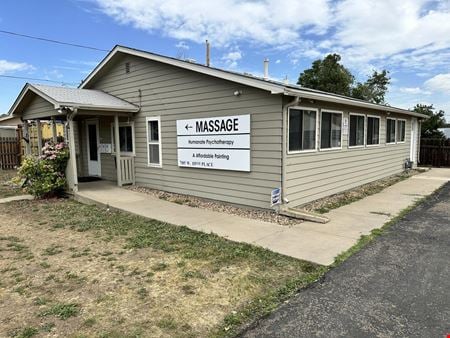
(356, 130)
(390, 130)
(373, 130)
(126, 138)
(154, 141)
(330, 130)
(401, 129)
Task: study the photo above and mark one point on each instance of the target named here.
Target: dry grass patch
(69, 269)
(7, 188)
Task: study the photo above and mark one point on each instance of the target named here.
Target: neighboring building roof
(10, 121)
(446, 131)
(88, 99)
(275, 87)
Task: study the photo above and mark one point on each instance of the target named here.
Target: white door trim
(93, 169)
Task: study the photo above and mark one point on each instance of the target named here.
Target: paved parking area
(398, 286)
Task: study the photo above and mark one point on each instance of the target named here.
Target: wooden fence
(435, 152)
(10, 152)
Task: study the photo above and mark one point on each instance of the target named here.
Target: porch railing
(127, 170)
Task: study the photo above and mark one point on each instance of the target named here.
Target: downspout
(294, 102)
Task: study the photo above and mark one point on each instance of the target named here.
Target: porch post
(72, 176)
(54, 136)
(117, 149)
(26, 137)
(39, 136)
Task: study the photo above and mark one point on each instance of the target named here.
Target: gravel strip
(263, 215)
(326, 204)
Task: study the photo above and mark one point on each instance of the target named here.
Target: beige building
(197, 130)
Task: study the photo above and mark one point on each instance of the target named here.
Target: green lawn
(73, 270)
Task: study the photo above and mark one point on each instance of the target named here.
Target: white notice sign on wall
(214, 143)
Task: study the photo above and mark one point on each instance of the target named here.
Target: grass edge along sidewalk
(250, 316)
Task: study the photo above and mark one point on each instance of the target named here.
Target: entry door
(93, 148)
(414, 138)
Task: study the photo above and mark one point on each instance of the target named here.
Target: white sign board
(214, 143)
(275, 197)
(345, 126)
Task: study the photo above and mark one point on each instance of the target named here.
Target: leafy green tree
(331, 76)
(328, 75)
(374, 89)
(436, 120)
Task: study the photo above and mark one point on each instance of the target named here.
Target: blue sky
(410, 38)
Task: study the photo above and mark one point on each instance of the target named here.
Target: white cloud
(439, 83)
(414, 90)
(223, 22)
(278, 61)
(231, 58)
(182, 45)
(11, 67)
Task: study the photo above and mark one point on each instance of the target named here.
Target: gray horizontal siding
(38, 108)
(173, 94)
(314, 175)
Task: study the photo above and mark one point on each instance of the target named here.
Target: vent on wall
(127, 67)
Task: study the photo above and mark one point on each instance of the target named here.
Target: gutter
(351, 102)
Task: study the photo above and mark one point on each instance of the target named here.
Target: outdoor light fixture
(237, 93)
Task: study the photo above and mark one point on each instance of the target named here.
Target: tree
(331, 76)
(436, 120)
(328, 75)
(374, 89)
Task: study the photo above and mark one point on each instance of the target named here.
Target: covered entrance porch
(94, 122)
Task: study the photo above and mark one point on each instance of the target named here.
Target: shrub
(45, 175)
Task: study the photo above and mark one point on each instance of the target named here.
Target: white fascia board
(273, 88)
(350, 102)
(97, 107)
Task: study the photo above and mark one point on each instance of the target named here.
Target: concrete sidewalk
(319, 243)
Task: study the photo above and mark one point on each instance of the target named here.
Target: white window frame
(317, 133)
(320, 129)
(147, 120)
(113, 148)
(379, 130)
(395, 136)
(365, 131)
(396, 129)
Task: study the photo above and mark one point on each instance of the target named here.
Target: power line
(53, 41)
(37, 79)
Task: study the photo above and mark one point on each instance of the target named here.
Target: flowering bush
(45, 175)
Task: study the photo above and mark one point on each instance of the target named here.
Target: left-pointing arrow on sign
(188, 127)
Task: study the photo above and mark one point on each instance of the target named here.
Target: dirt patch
(326, 204)
(68, 269)
(196, 202)
(8, 188)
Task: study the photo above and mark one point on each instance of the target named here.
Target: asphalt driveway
(398, 286)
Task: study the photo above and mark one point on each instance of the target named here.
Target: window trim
(379, 130)
(133, 141)
(147, 120)
(316, 130)
(395, 135)
(396, 128)
(320, 129)
(365, 131)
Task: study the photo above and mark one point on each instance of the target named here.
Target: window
(401, 129)
(302, 129)
(356, 130)
(373, 130)
(330, 130)
(154, 141)
(390, 130)
(126, 138)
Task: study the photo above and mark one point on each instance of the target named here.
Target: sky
(409, 38)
